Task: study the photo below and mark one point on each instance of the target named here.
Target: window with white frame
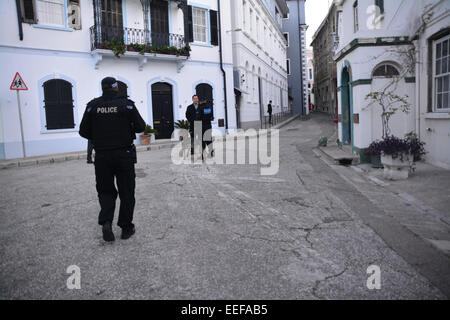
(355, 16)
(58, 104)
(51, 12)
(288, 66)
(199, 22)
(386, 71)
(441, 74)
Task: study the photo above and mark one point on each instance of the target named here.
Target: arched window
(123, 89)
(386, 70)
(58, 104)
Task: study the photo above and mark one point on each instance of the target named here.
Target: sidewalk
(60, 157)
(82, 155)
(427, 188)
(420, 203)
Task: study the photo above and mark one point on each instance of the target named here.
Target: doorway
(162, 105)
(123, 89)
(260, 101)
(346, 115)
(159, 17)
(205, 94)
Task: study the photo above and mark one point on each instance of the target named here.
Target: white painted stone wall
(46, 54)
(256, 54)
(433, 127)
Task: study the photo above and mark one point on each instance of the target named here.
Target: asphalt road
(208, 232)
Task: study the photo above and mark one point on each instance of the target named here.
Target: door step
(341, 156)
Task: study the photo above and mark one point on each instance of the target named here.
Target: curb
(7, 164)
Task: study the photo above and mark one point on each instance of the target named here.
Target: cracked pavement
(205, 232)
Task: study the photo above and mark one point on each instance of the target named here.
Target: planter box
(396, 169)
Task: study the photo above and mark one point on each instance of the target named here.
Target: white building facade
(259, 58)
(64, 48)
(394, 43)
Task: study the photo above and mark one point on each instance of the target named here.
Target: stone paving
(214, 232)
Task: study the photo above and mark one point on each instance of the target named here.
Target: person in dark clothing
(200, 114)
(111, 122)
(269, 111)
(90, 148)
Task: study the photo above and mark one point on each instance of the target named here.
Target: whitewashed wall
(46, 54)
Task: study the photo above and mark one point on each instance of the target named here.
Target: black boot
(128, 232)
(108, 234)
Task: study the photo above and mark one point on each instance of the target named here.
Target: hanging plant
(118, 47)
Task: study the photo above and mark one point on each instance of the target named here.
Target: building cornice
(272, 19)
(370, 42)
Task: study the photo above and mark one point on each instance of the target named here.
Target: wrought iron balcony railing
(102, 35)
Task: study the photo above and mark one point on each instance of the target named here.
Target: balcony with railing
(137, 43)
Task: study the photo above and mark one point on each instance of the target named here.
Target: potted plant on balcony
(136, 47)
(181, 124)
(146, 136)
(118, 47)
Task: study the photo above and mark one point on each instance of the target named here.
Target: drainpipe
(417, 47)
(301, 60)
(19, 19)
(221, 67)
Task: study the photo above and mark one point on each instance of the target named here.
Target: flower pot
(398, 168)
(145, 139)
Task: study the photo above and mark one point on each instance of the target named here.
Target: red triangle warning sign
(18, 83)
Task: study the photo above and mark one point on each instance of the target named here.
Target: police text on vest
(107, 110)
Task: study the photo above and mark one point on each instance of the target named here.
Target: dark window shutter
(28, 12)
(214, 29)
(190, 31)
(58, 105)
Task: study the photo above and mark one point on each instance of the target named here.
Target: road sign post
(19, 85)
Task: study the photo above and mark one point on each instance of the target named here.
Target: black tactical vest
(110, 124)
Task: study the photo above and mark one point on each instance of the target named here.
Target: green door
(345, 110)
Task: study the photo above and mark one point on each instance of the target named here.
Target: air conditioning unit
(74, 13)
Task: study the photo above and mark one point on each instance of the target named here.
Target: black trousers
(118, 164)
(204, 142)
(270, 118)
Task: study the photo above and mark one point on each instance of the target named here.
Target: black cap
(109, 83)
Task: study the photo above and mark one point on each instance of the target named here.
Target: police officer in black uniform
(111, 122)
